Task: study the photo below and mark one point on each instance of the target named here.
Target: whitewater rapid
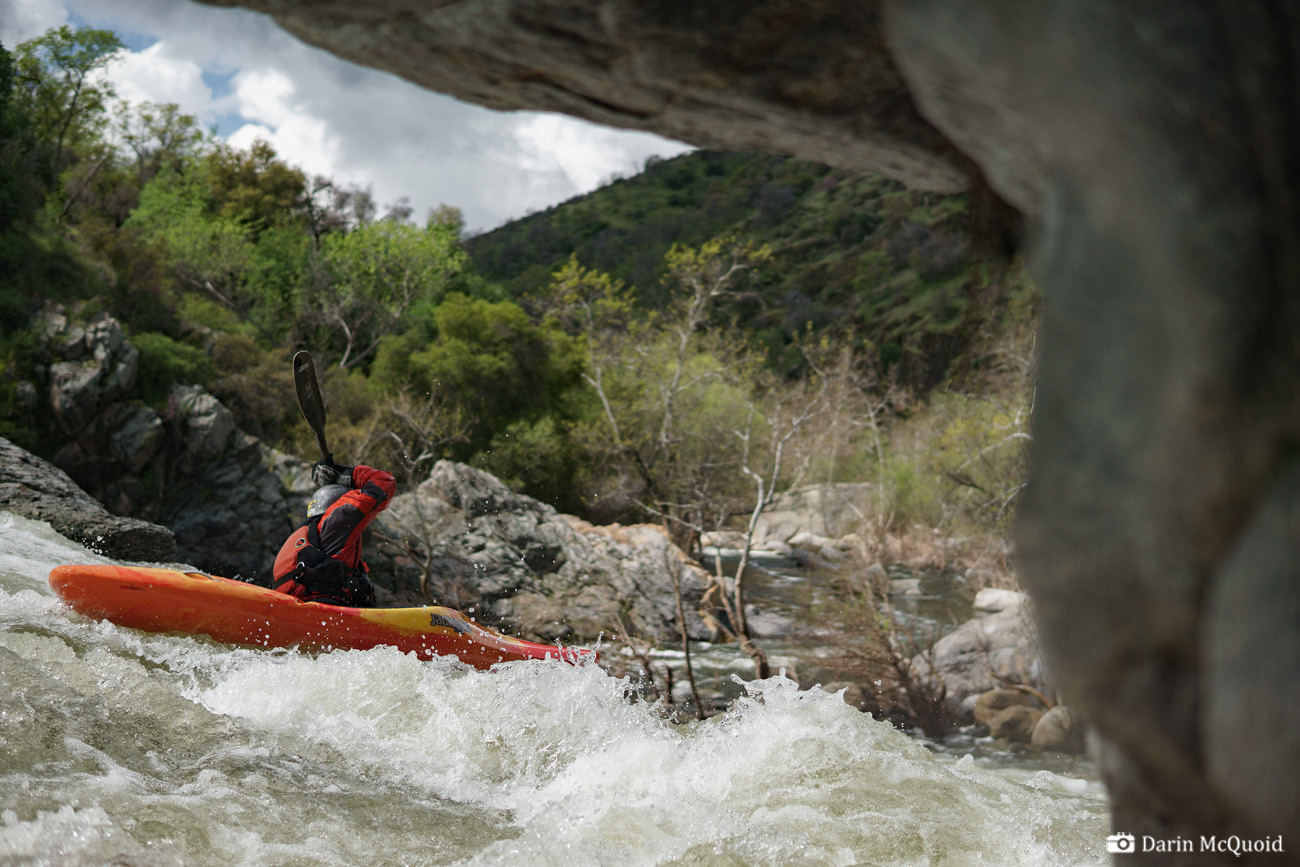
(120, 746)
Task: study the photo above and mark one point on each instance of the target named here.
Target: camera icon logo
(1119, 844)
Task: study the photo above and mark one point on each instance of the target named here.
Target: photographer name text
(1123, 844)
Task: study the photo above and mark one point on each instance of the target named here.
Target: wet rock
(1060, 730)
(546, 574)
(905, 587)
(1015, 723)
(35, 489)
(988, 704)
(991, 600)
(767, 624)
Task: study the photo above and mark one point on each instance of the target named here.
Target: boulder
(96, 367)
(205, 425)
(991, 600)
(230, 499)
(1060, 730)
(35, 489)
(553, 576)
(905, 587)
(989, 704)
(722, 539)
(1004, 644)
(1015, 723)
(813, 516)
(135, 435)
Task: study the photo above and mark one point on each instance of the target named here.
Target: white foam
(212, 754)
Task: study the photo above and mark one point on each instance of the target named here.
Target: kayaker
(321, 561)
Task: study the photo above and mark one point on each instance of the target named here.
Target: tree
(687, 410)
(374, 275)
(159, 136)
(18, 190)
(205, 251)
(255, 186)
(59, 91)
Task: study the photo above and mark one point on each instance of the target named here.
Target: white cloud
(357, 125)
(586, 154)
(21, 20)
(154, 75)
(267, 97)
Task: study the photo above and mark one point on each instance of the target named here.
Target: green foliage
(206, 251)
(645, 345)
(909, 494)
(204, 312)
(160, 136)
(255, 187)
(626, 228)
(165, 362)
(534, 455)
(58, 92)
(256, 385)
(853, 256)
(276, 281)
(19, 187)
(376, 274)
(981, 451)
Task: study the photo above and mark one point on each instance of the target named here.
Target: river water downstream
(121, 747)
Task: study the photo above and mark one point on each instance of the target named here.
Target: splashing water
(160, 750)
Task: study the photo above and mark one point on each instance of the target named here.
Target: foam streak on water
(115, 744)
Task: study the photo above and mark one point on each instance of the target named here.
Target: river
(122, 747)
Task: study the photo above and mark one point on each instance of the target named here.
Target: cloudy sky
(238, 71)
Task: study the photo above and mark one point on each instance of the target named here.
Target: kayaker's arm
(341, 526)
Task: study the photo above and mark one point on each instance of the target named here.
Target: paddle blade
(310, 400)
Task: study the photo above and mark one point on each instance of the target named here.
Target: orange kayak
(163, 600)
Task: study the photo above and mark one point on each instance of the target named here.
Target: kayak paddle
(310, 400)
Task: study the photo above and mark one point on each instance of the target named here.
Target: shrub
(165, 362)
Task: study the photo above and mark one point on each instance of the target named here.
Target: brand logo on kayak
(449, 622)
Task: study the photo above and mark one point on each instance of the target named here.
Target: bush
(165, 362)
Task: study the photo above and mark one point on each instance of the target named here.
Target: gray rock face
(233, 500)
(733, 74)
(41, 491)
(822, 510)
(1004, 644)
(1167, 397)
(546, 574)
(1151, 146)
(97, 367)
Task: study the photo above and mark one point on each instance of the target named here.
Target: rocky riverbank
(182, 482)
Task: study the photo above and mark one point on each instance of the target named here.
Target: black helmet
(324, 498)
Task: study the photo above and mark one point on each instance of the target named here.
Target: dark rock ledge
(38, 490)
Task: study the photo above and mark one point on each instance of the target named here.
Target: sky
(239, 72)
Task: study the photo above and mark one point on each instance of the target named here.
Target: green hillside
(848, 329)
(854, 256)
